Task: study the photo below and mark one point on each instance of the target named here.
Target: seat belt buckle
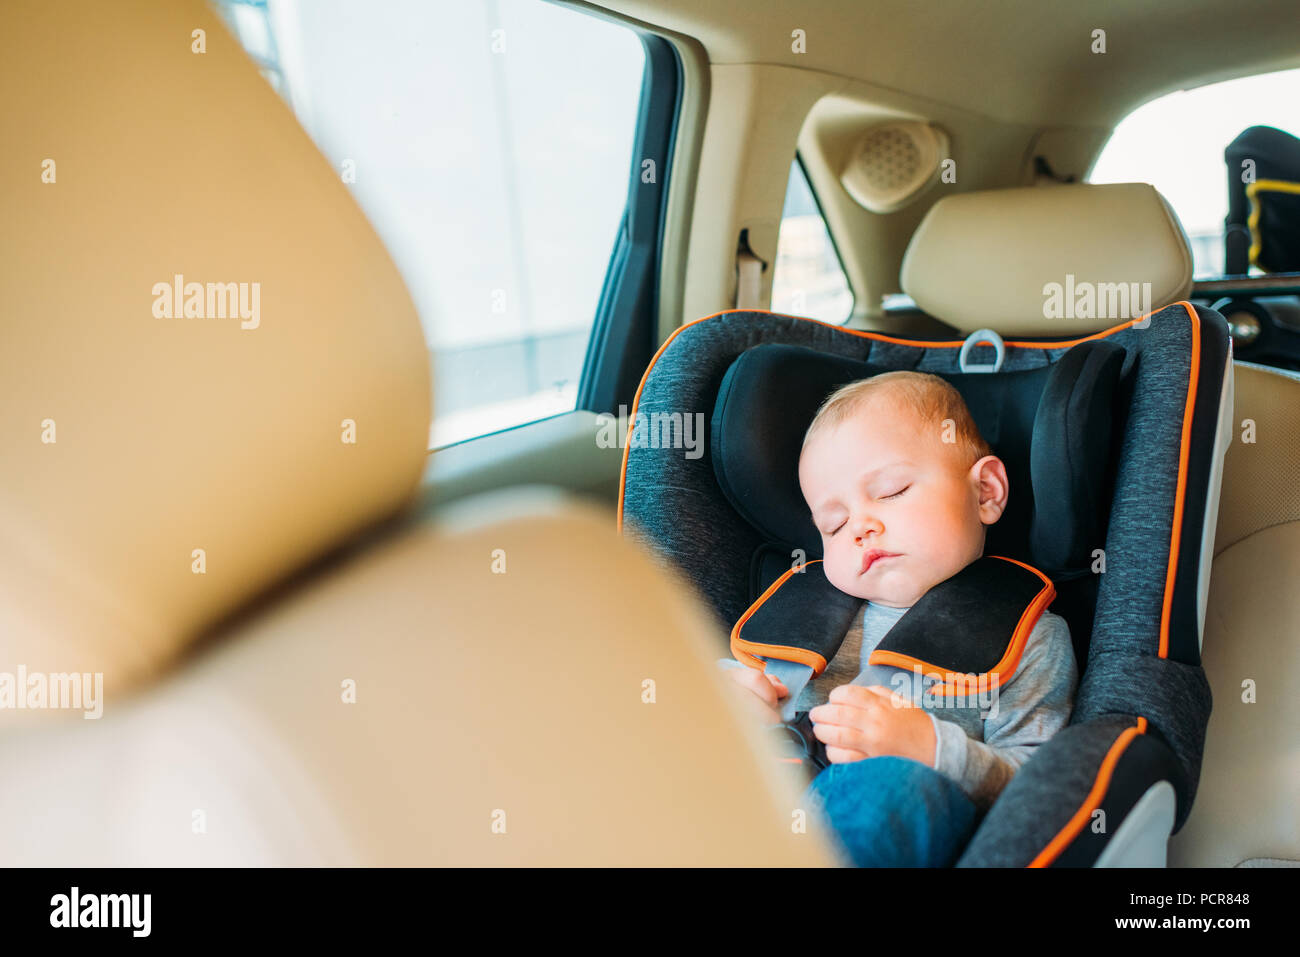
(799, 741)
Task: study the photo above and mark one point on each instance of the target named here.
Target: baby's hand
(863, 722)
(767, 690)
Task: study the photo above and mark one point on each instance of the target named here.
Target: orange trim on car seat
(1180, 491)
(745, 650)
(1182, 455)
(1075, 824)
(1093, 801)
(1004, 669)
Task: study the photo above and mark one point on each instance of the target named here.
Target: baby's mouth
(873, 556)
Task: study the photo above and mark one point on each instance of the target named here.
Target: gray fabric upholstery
(1047, 791)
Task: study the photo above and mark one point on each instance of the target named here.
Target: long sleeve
(1030, 708)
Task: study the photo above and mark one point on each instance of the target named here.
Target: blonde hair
(934, 400)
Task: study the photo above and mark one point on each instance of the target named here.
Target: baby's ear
(994, 487)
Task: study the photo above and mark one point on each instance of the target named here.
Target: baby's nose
(865, 527)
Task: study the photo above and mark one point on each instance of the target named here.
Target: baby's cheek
(837, 572)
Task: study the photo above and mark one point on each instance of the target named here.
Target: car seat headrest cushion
(1060, 443)
(765, 403)
(1070, 456)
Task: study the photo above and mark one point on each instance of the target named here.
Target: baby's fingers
(756, 682)
(843, 755)
(781, 690)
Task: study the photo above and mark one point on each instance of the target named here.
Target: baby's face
(897, 508)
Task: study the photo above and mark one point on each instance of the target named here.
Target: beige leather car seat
(504, 683)
(1247, 809)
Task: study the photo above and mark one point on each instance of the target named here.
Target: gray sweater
(980, 744)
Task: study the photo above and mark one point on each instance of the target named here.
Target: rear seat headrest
(983, 259)
(1052, 426)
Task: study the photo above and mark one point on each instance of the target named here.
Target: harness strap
(794, 676)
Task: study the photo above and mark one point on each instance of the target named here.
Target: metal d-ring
(976, 338)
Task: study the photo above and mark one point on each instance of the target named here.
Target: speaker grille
(893, 163)
(890, 158)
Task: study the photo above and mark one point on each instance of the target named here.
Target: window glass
(809, 280)
(1176, 144)
(490, 144)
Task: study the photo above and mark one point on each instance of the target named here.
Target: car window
(490, 144)
(808, 280)
(1176, 144)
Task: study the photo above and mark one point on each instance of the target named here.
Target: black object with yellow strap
(1263, 201)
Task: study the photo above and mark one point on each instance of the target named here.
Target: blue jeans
(893, 812)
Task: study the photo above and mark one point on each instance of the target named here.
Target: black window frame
(624, 333)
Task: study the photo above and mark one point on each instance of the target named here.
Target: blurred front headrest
(210, 370)
(1048, 260)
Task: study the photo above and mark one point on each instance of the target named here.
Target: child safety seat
(1113, 445)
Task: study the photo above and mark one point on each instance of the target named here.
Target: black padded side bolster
(1174, 697)
(765, 402)
(966, 623)
(1070, 456)
(1146, 761)
(1042, 799)
(805, 612)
